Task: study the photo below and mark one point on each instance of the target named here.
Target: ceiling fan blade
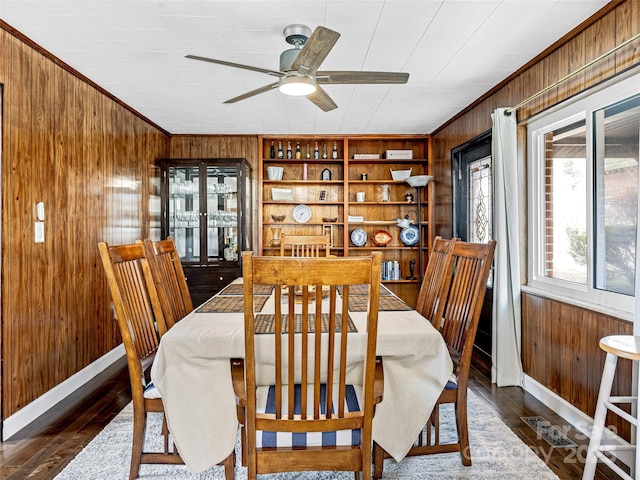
(322, 99)
(275, 73)
(257, 91)
(355, 77)
(315, 50)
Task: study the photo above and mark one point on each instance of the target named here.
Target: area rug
(497, 454)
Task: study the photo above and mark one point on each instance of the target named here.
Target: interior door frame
(457, 174)
(1, 261)
(461, 157)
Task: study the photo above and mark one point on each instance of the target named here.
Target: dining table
(191, 371)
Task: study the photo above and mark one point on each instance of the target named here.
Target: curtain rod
(510, 110)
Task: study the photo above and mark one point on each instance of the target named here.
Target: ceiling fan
(299, 75)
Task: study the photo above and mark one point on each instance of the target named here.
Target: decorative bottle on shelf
(316, 154)
(289, 150)
(324, 151)
(272, 151)
(230, 250)
(385, 192)
(334, 153)
(298, 153)
(308, 154)
(280, 154)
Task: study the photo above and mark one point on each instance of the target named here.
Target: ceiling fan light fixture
(297, 86)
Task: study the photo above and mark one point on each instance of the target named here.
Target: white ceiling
(454, 51)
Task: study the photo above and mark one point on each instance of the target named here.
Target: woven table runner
(238, 289)
(364, 290)
(359, 303)
(230, 304)
(265, 323)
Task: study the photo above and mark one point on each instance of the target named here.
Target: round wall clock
(301, 213)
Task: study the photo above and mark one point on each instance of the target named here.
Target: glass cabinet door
(203, 211)
(184, 211)
(222, 213)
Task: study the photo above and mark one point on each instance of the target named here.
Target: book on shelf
(366, 156)
(398, 154)
(355, 218)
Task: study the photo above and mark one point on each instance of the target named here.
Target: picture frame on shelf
(322, 196)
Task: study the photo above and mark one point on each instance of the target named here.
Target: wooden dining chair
(306, 416)
(437, 278)
(305, 245)
(169, 279)
(139, 315)
(472, 266)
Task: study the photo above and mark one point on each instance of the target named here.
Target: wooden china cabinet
(349, 190)
(206, 207)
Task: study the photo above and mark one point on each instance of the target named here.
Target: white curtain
(636, 315)
(507, 325)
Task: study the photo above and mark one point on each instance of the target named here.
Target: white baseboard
(574, 416)
(32, 411)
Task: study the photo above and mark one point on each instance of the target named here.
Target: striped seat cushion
(150, 391)
(265, 397)
(452, 383)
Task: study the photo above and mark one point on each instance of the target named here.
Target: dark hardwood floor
(41, 450)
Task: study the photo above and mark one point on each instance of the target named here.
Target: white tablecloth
(191, 371)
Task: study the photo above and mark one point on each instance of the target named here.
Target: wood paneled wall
(216, 146)
(560, 351)
(560, 342)
(90, 160)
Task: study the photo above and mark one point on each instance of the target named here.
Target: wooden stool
(625, 346)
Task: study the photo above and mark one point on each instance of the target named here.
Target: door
(473, 219)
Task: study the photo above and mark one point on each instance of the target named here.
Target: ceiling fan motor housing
(287, 58)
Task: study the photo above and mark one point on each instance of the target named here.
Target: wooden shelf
(296, 202)
(303, 182)
(340, 193)
(389, 161)
(338, 161)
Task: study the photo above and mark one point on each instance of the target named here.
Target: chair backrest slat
(437, 278)
(169, 278)
(305, 245)
(137, 306)
(472, 266)
(314, 355)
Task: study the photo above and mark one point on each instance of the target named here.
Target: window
(616, 185)
(565, 182)
(583, 198)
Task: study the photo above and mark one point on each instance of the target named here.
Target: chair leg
(243, 445)
(600, 416)
(436, 424)
(463, 430)
(229, 466)
(378, 461)
(165, 434)
(139, 427)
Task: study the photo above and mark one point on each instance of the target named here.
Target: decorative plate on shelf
(381, 238)
(301, 213)
(410, 235)
(359, 237)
